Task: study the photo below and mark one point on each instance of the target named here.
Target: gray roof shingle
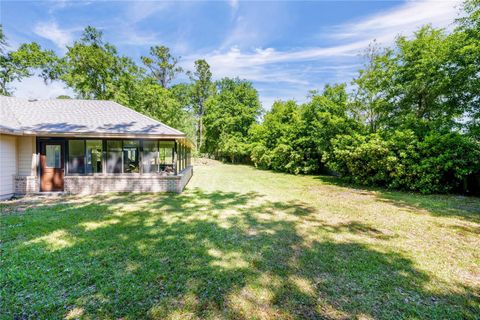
(65, 116)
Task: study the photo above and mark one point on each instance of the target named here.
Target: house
(87, 146)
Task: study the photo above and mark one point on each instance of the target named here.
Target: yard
(242, 243)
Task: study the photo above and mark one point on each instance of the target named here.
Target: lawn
(242, 243)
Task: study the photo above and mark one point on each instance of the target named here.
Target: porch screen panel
(185, 154)
(166, 155)
(94, 156)
(76, 156)
(179, 157)
(114, 156)
(151, 159)
(131, 156)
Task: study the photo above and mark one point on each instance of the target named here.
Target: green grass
(242, 243)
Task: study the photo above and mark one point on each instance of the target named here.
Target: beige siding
(8, 164)
(26, 156)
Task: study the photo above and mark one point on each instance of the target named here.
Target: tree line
(410, 119)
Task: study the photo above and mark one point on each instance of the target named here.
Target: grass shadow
(458, 206)
(204, 255)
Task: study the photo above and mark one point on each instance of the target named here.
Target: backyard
(242, 243)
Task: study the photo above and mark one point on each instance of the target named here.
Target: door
(51, 166)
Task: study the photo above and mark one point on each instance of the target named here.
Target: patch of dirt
(205, 162)
(20, 205)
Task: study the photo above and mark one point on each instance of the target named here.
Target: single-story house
(87, 146)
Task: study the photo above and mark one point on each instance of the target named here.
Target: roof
(72, 117)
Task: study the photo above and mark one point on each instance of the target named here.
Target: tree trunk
(200, 133)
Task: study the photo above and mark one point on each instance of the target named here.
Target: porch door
(52, 165)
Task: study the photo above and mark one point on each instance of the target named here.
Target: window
(76, 156)
(151, 160)
(114, 156)
(94, 156)
(121, 156)
(53, 155)
(131, 154)
(166, 155)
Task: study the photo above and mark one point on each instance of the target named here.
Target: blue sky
(286, 48)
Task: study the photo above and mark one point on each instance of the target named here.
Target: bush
(439, 163)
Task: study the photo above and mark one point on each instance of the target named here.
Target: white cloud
(137, 11)
(401, 20)
(291, 73)
(233, 4)
(35, 88)
(52, 32)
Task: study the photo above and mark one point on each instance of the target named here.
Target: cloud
(291, 73)
(137, 11)
(233, 4)
(52, 32)
(401, 20)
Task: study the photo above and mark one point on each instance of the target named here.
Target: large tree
(201, 90)
(466, 57)
(94, 70)
(418, 84)
(162, 64)
(24, 62)
(230, 112)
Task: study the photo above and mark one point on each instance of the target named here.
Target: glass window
(114, 156)
(151, 160)
(94, 156)
(76, 156)
(131, 155)
(53, 155)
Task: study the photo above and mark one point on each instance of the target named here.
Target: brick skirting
(26, 184)
(114, 183)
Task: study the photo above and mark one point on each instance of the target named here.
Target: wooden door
(52, 166)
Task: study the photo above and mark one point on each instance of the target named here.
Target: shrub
(438, 163)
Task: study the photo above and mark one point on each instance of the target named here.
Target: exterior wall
(185, 176)
(27, 158)
(19, 176)
(8, 165)
(127, 183)
(26, 185)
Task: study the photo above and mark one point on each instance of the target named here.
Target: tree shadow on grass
(205, 255)
(463, 207)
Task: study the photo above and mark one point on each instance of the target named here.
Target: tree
(162, 65)
(3, 41)
(160, 103)
(94, 70)
(370, 98)
(23, 62)
(466, 57)
(324, 117)
(276, 143)
(202, 89)
(230, 112)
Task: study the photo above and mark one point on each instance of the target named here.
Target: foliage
(229, 113)
(201, 78)
(160, 103)
(293, 138)
(162, 65)
(439, 163)
(3, 41)
(23, 62)
(94, 70)
(391, 127)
